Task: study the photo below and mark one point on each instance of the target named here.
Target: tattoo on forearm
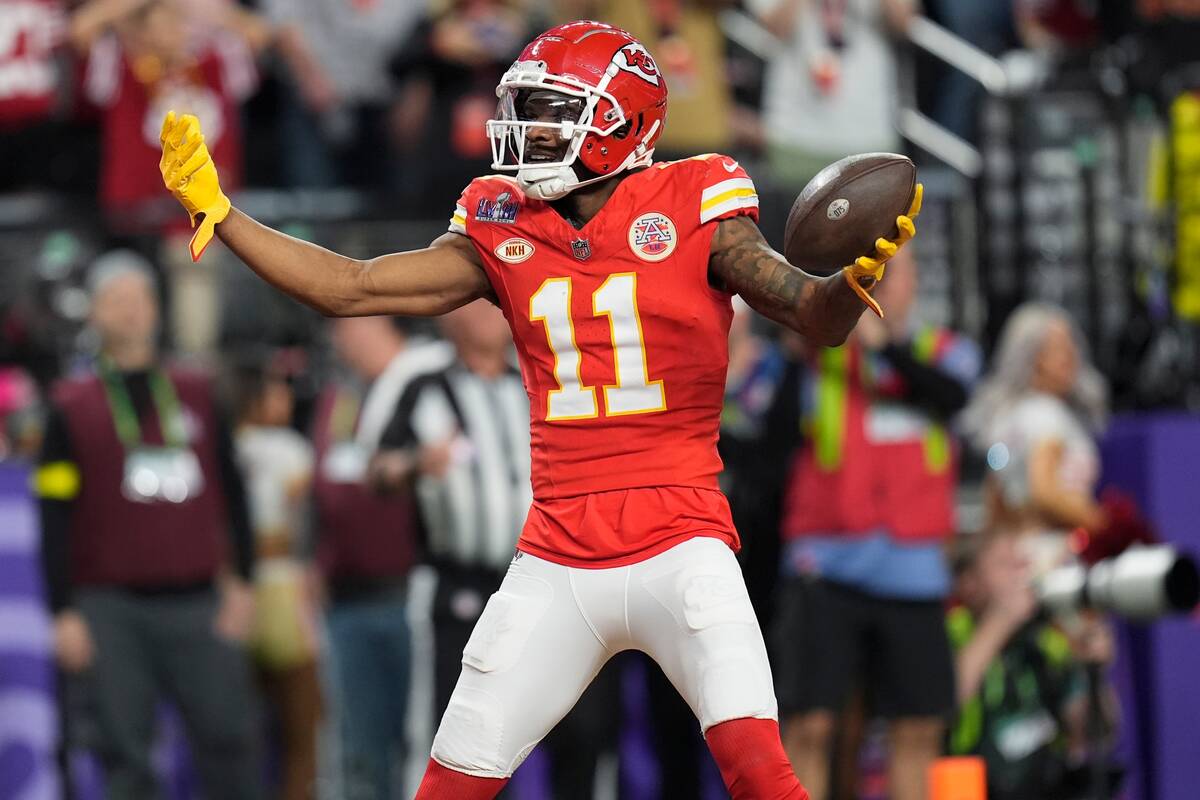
(741, 261)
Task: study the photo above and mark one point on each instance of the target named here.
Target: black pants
(164, 646)
(576, 743)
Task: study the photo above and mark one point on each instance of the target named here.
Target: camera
(1141, 584)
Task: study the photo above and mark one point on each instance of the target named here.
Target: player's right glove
(189, 173)
(873, 266)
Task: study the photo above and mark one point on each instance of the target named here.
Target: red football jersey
(623, 343)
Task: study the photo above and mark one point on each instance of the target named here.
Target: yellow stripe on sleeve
(724, 196)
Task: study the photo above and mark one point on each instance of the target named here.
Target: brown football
(845, 208)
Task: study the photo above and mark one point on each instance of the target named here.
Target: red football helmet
(610, 108)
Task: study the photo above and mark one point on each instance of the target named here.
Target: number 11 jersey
(622, 341)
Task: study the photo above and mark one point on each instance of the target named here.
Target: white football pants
(550, 628)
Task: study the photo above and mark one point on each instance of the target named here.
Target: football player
(615, 274)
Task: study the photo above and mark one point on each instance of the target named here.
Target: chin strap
(548, 183)
(552, 183)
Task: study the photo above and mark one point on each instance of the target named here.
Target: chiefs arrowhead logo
(634, 58)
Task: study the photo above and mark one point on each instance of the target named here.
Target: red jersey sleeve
(491, 199)
(458, 220)
(725, 190)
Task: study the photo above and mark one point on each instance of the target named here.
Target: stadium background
(1072, 180)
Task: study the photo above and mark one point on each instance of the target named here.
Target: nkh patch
(514, 250)
(652, 236)
(502, 209)
(581, 249)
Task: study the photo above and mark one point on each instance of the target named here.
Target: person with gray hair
(146, 549)
(1036, 415)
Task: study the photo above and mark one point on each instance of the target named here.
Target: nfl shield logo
(582, 249)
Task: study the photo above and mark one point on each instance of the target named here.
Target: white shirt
(273, 461)
(858, 115)
(418, 358)
(1038, 418)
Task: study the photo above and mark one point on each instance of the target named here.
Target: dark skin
(449, 273)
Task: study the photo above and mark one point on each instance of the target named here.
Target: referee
(461, 434)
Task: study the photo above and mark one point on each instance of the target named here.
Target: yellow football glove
(189, 173)
(873, 266)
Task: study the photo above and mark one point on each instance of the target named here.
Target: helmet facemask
(531, 98)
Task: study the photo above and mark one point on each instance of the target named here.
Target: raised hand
(188, 173)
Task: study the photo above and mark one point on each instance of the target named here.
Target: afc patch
(514, 250)
(581, 249)
(652, 236)
(502, 209)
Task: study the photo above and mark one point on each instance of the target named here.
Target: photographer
(1022, 689)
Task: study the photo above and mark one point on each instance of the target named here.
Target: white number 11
(633, 392)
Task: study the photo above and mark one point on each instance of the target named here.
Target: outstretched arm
(427, 282)
(824, 310)
(418, 283)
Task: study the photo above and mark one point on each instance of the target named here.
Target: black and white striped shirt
(474, 513)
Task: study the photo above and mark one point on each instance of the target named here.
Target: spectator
(147, 56)
(33, 85)
(1037, 414)
(462, 434)
(147, 549)
(334, 117)
(278, 464)
(869, 504)
(1058, 27)
(955, 96)
(365, 547)
(1022, 690)
(449, 70)
(831, 89)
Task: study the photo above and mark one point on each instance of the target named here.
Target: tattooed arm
(824, 310)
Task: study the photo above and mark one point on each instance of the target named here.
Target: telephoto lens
(1142, 584)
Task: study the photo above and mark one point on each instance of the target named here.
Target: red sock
(443, 783)
(752, 762)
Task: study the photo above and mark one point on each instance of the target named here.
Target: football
(845, 208)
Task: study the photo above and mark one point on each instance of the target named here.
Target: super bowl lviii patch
(652, 236)
(502, 209)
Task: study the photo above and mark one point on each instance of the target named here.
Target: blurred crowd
(287, 527)
(391, 95)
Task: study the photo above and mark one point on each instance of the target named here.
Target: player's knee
(732, 687)
(733, 672)
(470, 738)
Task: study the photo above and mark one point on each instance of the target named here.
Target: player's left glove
(873, 266)
(189, 173)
